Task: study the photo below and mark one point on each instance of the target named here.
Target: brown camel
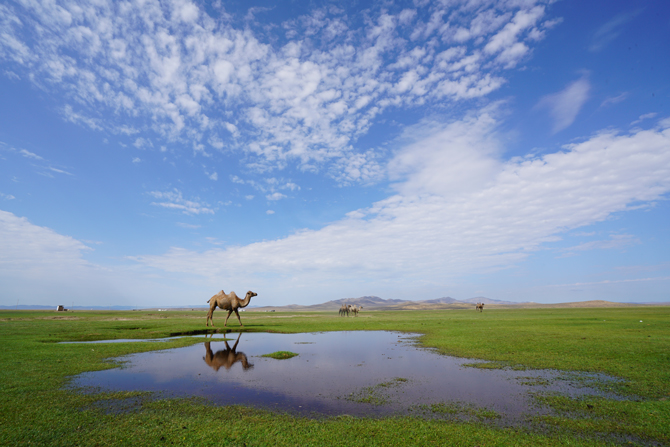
(230, 302)
(344, 310)
(227, 357)
(480, 307)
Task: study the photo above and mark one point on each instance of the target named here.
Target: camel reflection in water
(226, 357)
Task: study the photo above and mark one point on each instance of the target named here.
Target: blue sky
(154, 153)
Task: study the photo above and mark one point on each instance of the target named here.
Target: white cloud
(453, 159)
(25, 247)
(127, 130)
(442, 228)
(175, 200)
(194, 78)
(7, 196)
(646, 116)
(40, 266)
(59, 171)
(79, 118)
(275, 196)
(506, 42)
(142, 143)
(29, 154)
(614, 99)
(136, 160)
(566, 104)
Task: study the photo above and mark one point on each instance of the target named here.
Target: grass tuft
(281, 355)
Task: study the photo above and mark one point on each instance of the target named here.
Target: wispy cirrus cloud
(610, 30)
(613, 281)
(175, 200)
(616, 241)
(646, 116)
(564, 106)
(43, 166)
(614, 99)
(215, 83)
(59, 171)
(29, 154)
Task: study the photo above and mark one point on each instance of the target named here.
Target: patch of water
(359, 373)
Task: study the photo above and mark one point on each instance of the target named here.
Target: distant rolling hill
(377, 303)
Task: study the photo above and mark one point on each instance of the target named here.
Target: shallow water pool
(375, 373)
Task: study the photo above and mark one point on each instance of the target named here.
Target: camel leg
(238, 340)
(210, 354)
(238, 317)
(210, 314)
(228, 316)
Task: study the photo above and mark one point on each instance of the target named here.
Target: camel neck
(245, 301)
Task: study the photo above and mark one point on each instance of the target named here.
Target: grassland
(630, 343)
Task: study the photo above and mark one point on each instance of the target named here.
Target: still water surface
(360, 373)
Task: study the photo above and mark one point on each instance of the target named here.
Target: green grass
(36, 409)
(460, 409)
(281, 355)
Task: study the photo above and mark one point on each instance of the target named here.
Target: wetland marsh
(360, 373)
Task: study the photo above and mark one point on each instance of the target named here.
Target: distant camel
(229, 302)
(344, 310)
(227, 357)
(480, 307)
(355, 309)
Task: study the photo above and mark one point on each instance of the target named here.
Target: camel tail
(209, 300)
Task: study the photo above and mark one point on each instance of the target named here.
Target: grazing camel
(355, 309)
(230, 302)
(480, 307)
(227, 357)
